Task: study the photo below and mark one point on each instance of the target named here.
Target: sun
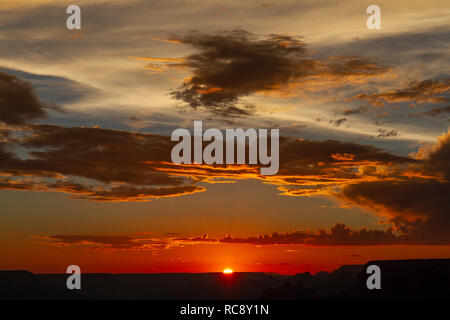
(227, 271)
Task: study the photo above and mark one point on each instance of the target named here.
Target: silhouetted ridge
(289, 292)
(400, 279)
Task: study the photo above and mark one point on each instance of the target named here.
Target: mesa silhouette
(400, 279)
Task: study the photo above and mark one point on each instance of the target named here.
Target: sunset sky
(86, 115)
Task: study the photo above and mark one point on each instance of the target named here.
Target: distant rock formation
(404, 279)
(307, 286)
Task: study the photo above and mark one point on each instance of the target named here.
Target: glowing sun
(227, 271)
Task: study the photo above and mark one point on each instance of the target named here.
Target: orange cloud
(343, 157)
(209, 90)
(171, 41)
(158, 59)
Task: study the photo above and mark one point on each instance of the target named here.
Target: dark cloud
(359, 110)
(433, 112)
(18, 101)
(418, 207)
(127, 242)
(340, 234)
(236, 64)
(385, 133)
(99, 192)
(426, 91)
(101, 154)
(122, 165)
(108, 242)
(201, 239)
(338, 122)
(128, 193)
(121, 193)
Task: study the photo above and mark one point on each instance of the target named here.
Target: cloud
(339, 235)
(385, 133)
(229, 66)
(101, 154)
(338, 122)
(426, 91)
(123, 193)
(433, 112)
(238, 64)
(359, 110)
(18, 101)
(127, 242)
(418, 206)
(115, 165)
(194, 240)
(99, 192)
(107, 242)
(91, 163)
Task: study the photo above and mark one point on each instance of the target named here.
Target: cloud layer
(117, 165)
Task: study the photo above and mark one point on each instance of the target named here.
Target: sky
(86, 116)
